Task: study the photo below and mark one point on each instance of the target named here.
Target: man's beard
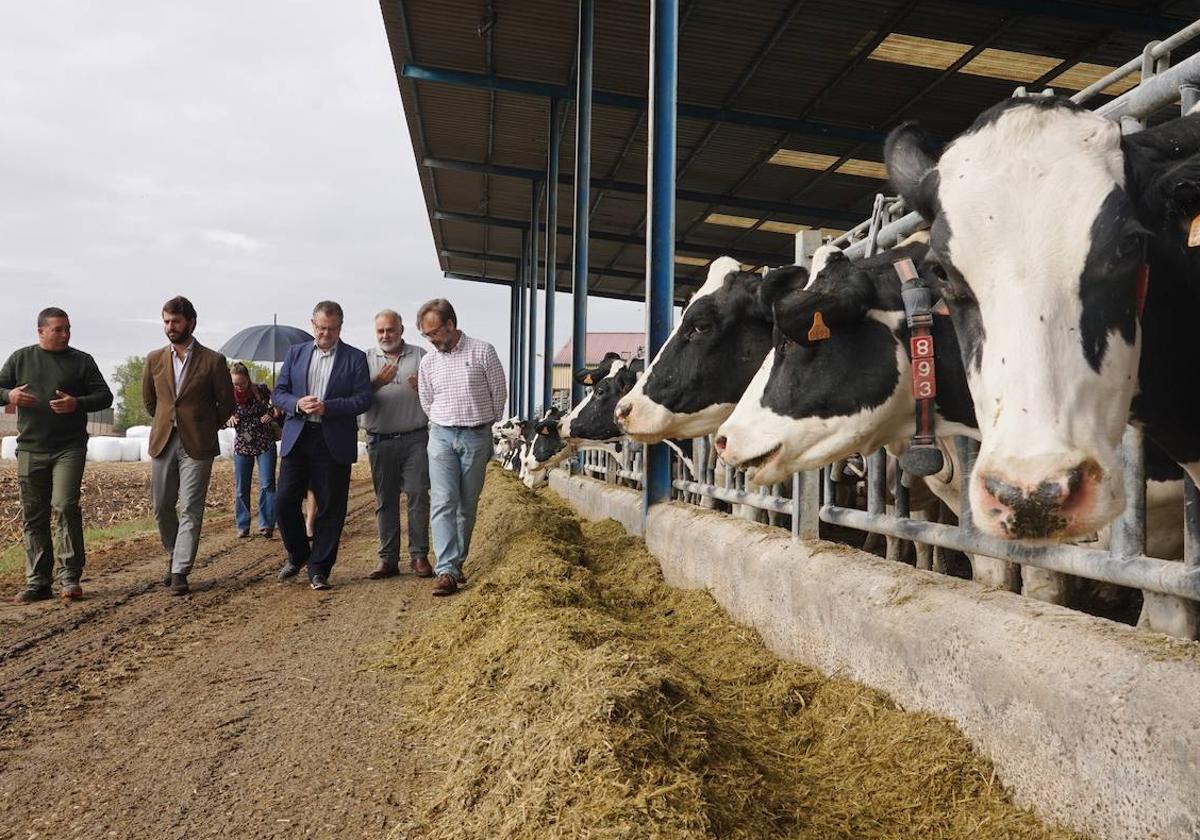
(391, 346)
(182, 337)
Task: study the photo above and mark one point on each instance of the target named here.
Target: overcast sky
(252, 156)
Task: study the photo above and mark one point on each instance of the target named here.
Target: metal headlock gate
(1171, 588)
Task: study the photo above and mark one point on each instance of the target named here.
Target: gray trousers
(178, 480)
(401, 464)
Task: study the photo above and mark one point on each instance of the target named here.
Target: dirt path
(241, 710)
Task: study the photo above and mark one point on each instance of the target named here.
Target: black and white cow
(506, 439)
(540, 448)
(589, 423)
(817, 401)
(1043, 216)
(695, 380)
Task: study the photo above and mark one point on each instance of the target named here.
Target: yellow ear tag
(1194, 233)
(818, 331)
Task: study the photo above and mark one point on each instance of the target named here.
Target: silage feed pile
(569, 693)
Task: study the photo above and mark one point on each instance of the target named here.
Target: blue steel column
(522, 315)
(514, 318)
(660, 220)
(583, 179)
(551, 254)
(535, 202)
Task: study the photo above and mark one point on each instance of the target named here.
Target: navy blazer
(347, 396)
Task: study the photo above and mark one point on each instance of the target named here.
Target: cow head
(824, 394)
(545, 449)
(593, 418)
(706, 363)
(1037, 228)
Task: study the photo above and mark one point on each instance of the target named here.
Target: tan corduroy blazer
(203, 404)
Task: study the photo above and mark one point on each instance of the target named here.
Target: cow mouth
(758, 461)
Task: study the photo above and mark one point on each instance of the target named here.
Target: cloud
(232, 239)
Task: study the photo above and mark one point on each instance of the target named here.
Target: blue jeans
(458, 460)
(243, 472)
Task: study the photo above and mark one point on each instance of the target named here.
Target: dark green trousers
(50, 482)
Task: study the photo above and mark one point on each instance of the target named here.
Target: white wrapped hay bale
(131, 448)
(144, 449)
(104, 449)
(225, 438)
(137, 432)
(8, 447)
(362, 450)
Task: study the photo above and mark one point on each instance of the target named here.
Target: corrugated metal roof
(798, 59)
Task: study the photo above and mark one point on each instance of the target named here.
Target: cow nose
(1026, 510)
(719, 442)
(623, 409)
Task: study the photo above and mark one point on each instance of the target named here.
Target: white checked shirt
(319, 368)
(464, 387)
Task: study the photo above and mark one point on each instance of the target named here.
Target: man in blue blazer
(322, 388)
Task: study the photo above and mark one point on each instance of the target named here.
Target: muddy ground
(241, 710)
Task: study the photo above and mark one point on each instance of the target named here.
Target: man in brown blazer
(188, 391)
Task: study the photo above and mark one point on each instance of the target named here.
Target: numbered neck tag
(924, 373)
(818, 331)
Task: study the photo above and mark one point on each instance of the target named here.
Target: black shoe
(179, 585)
(167, 576)
(319, 583)
(33, 593)
(289, 570)
(243, 533)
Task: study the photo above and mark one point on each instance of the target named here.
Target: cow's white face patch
(772, 446)
(1019, 200)
(641, 416)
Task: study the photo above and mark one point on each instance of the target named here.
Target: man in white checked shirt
(462, 390)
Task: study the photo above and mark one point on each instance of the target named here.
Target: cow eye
(698, 328)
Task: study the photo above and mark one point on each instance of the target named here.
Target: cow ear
(1164, 189)
(586, 376)
(911, 157)
(780, 282)
(809, 316)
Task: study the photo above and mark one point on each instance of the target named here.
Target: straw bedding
(569, 693)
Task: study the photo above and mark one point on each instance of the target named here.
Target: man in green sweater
(53, 386)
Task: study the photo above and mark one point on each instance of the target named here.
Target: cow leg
(998, 574)
(1167, 614)
(923, 551)
(1045, 585)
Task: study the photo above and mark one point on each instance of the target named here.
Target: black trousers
(310, 466)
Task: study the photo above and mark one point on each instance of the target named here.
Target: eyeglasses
(429, 336)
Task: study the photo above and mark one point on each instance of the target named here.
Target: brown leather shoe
(71, 590)
(385, 569)
(446, 585)
(179, 584)
(421, 567)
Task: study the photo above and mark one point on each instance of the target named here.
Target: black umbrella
(263, 343)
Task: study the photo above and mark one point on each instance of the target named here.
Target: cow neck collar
(923, 457)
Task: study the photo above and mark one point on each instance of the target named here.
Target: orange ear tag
(818, 331)
(1194, 233)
